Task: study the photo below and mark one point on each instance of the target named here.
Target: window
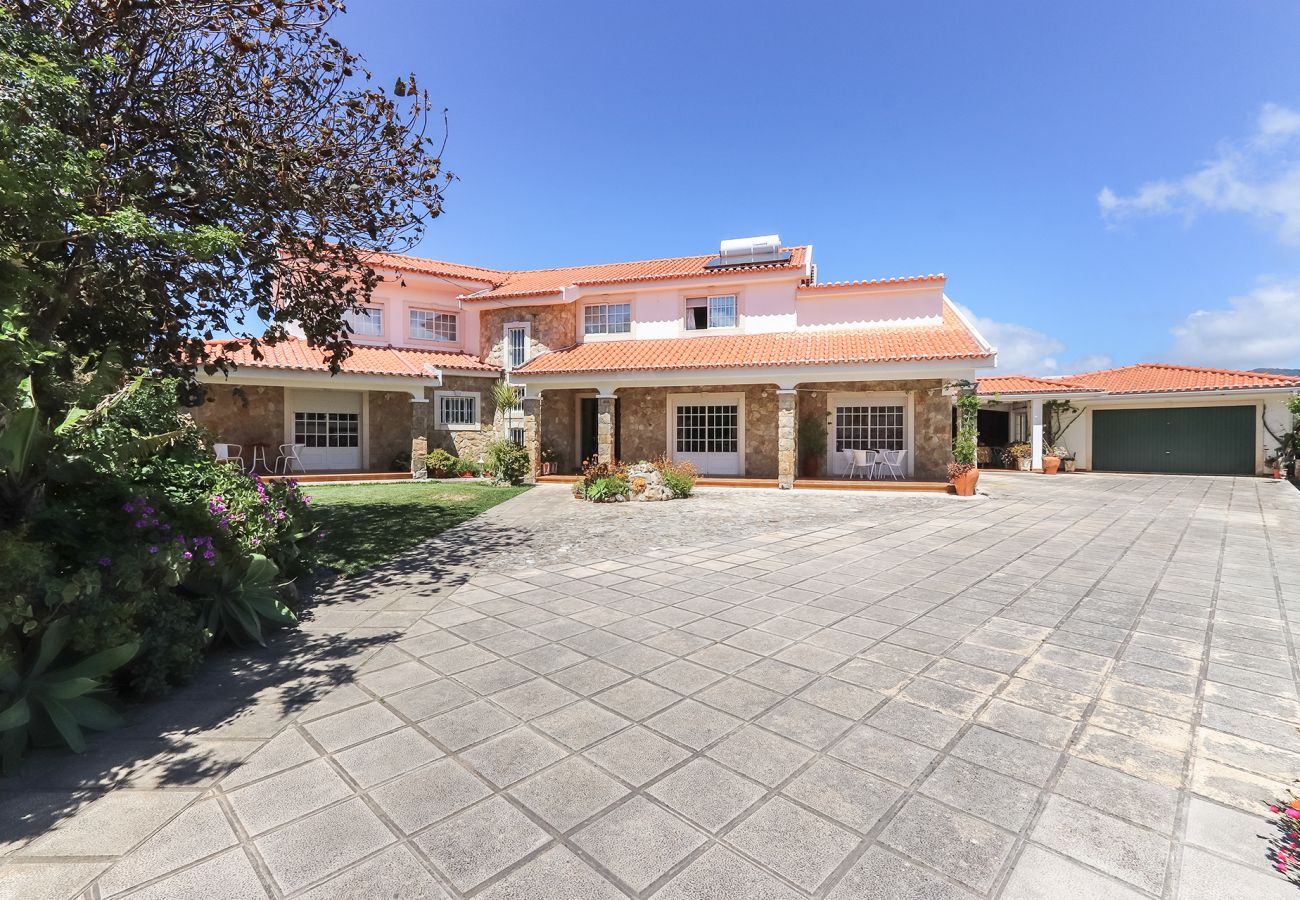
(368, 320)
(707, 428)
(711, 312)
(869, 427)
(433, 326)
(517, 345)
(517, 436)
(457, 410)
(607, 318)
(318, 429)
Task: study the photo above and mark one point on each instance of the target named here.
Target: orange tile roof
(403, 263)
(1151, 378)
(949, 340)
(543, 282)
(298, 355)
(870, 282)
(1024, 384)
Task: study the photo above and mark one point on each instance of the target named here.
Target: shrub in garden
(507, 461)
(610, 489)
(441, 463)
(678, 476)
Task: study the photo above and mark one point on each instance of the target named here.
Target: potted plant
(1067, 461)
(963, 471)
(549, 461)
(1017, 455)
(1051, 461)
(1274, 464)
(812, 445)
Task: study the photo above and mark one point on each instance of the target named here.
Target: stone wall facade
(470, 444)
(931, 417)
(389, 424)
(559, 427)
(553, 328)
(245, 415)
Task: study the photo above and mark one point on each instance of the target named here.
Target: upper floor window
(711, 312)
(607, 318)
(433, 326)
(368, 320)
(517, 344)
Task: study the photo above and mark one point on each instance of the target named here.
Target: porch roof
(949, 340)
(298, 355)
(1141, 378)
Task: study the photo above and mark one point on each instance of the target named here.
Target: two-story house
(720, 359)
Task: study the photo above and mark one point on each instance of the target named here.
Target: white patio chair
(864, 459)
(289, 458)
(892, 461)
(230, 453)
(847, 453)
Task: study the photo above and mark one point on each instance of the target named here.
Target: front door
(866, 423)
(588, 424)
(707, 430)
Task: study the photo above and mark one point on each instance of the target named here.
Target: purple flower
(105, 561)
(128, 507)
(208, 554)
(148, 510)
(153, 548)
(187, 555)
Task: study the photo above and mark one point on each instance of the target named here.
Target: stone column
(1036, 434)
(787, 440)
(532, 408)
(605, 428)
(421, 422)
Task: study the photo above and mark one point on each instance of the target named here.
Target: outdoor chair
(289, 458)
(230, 453)
(866, 460)
(847, 453)
(892, 461)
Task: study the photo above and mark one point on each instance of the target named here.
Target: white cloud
(1259, 177)
(1259, 329)
(1026, 351)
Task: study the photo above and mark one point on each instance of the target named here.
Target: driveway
(1074, 687)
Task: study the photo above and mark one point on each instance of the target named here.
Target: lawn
(366, 524)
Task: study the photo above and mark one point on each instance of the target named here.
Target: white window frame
(370, 315)
(707, 398)
(440, 422)
(709, 327)
(527, 328)
(605, 333)
(431, 334)
(873, 398)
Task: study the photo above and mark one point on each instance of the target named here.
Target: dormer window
(367, 321)
(607, 318)
(703, 313)
(433, 326)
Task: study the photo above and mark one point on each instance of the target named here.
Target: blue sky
(898, 139)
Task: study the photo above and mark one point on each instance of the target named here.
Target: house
(1149, 417)
(716, 359)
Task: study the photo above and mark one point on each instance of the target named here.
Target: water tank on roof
(750, 251)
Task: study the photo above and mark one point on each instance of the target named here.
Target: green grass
(366, 524)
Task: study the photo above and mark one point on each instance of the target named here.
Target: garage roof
(1141, 378)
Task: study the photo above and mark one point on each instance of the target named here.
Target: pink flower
(1293, 813)
(1274, 809)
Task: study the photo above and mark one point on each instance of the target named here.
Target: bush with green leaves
(240, 602)
(507, 461)
(441, 463)
(965, 446)
(679, 476)
(611, 488)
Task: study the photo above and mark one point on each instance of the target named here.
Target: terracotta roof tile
(403, 263)
(949, 340)
(1024, 384)
(1147, 378)
(298, 355)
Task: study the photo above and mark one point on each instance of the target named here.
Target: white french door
(708, 431)
(867, 421)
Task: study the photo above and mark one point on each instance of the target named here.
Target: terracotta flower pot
(965, 483)
(1051, 464)
(1023, 463)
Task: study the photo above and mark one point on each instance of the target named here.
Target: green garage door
(1205, 440)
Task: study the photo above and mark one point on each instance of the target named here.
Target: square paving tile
(637, 699)
(395, 873)
(533, 698)
(287, 796)
(845, 794)
(557, 874)
(763, 756)
(353, 726)
(706, 793)
(1009, 755)
(841, 697)
(740, 698)
(683, 676)
(879, 873)
(916, 723)
(581, 724)
(476, 844)
(467, 725)
(494, 676)
(320, 845)
(429, 794)
(693, 724)
(110, 825)
(1042, 875)
(430, 699)
(792, 841)
(810, 725)
(638, 842)
(982, 792)
(636, 755)
(722, 875)
(1103, 842)
(514, 755)
(568, 793)
(901, 761)
(968, 849)
(387, 756)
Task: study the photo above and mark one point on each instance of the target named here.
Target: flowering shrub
(678, 476)
(1284, 847)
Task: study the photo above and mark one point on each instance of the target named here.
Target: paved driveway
(1076, 687)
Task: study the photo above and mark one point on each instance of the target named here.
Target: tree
(173, 172)
(1056, 412)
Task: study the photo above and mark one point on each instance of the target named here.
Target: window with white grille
(433, 326)
(869, 427)
(367, 321)
(607, 318)
(516, 345)
(517, 436)
(707, 428)
(457, 409)
(318, 429)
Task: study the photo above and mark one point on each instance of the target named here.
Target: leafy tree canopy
(173, 171)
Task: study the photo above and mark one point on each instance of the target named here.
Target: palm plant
(506, 398)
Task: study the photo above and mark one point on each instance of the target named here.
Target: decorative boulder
(648, 483)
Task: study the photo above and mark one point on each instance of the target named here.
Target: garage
(1193, 440)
